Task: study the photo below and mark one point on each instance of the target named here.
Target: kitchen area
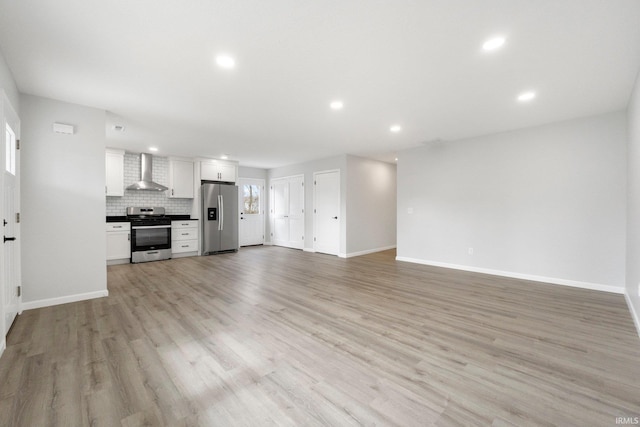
(159, 208)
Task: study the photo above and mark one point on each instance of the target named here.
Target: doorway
(10, 188)
(326, 212)
(251, 209)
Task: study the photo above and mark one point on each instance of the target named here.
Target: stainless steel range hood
(146, 183)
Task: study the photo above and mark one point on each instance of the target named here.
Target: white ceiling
(150, 64)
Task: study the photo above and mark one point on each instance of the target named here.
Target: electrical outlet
(470, 251)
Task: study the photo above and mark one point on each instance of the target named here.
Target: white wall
(633, 204)
(546, 203)
(371, 205)
(63, 203)
(8, 84)
(307, 169)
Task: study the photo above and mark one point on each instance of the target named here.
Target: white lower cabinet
(118, 242)
(184, 238)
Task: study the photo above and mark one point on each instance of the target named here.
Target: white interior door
(10, 258)
(251, 209)
(296, 212)
(287, 212)
(280, 212)
(326, 212)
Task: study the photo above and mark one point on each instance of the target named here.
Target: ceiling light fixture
(396, 159)
(526, 96)
(225, 61)
(395, 128)
(336, 105)
(224, 157)
(493, 43)
(153, 149)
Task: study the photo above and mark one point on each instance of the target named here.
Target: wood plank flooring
(274, 336)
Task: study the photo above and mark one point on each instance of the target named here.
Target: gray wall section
(255, 173)
(8, 84)
(371, 205)
(63, 203)
(633, 203)
(546, 201)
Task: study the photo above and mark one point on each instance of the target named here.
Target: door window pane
(251, 199)
(10, 143)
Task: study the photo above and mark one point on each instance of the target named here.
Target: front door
(251, 227)
(10, 277)
(326, 212)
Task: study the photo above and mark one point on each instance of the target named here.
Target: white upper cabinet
(180, 179)
(214, 170)
(114, 166)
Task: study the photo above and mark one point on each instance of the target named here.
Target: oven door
(150, 237)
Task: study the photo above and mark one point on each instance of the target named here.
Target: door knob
(335, 217)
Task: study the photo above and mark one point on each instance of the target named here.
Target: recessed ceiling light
(225, 61)
(153, 149)
(224, 157)
(336, 105)
(396, 159)
(395, 128)
(526, 96)
(493, 43)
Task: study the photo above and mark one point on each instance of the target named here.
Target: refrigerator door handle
(222, 212)
(219, 212)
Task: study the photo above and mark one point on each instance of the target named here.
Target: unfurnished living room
(301, 213)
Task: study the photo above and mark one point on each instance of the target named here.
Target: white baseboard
(308, 250)
(543, 279)
(118, 261)
(368, 251)
(634, 313)
(3, 345)
(63, 300)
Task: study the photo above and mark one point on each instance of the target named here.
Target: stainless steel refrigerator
(220, 218)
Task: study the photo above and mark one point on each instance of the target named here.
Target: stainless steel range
(150, 234)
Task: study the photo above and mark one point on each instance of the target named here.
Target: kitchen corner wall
(116, 206)
(62, 197)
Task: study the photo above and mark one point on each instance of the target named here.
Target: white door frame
(315, 222)
(9, 116)
(262, 201)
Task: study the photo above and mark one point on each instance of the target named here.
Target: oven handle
(142, 227)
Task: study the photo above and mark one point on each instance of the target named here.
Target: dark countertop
(179, 217)
(125, 219)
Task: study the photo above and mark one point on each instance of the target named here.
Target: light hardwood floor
(273, 336)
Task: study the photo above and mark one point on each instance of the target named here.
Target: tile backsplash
(117, 206)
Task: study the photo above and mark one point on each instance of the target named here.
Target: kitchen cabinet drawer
(184, 234)
(178, 246)
(118, 226)
(189, 223)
